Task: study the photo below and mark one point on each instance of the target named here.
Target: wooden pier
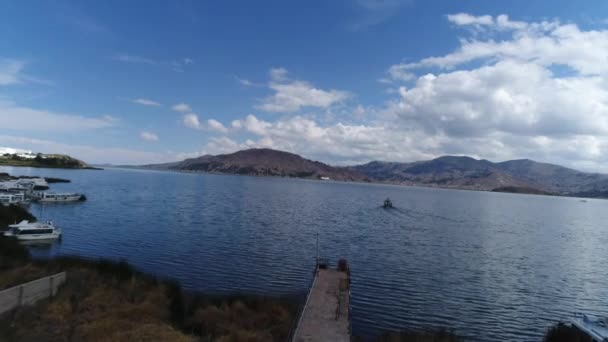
(326, 313)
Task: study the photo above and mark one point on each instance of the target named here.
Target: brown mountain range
(447, 172)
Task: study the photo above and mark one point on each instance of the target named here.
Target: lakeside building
(18, 152)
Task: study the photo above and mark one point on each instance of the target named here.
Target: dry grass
(111, 301)
(91, 307)
(240, 318)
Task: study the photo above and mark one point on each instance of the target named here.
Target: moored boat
(29, 231)
(58, 197)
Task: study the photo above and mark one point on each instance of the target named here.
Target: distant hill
(44, 160)
(456, 172)
(468, 173)
(263, 162)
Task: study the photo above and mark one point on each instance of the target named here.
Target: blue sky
(338, 81)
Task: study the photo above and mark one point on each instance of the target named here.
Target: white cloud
(543, 43)
(148, 136)
(182, 108)
(216, 126)
(10, 71)
(146, 102)
(540, 91)
(247, 83)
(337, 143)
(19, 118)
(467, 19)
(292, 95)
(191, 121)
(513, 97)
(399, 72)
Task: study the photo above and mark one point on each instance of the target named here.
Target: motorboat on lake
(30, 231)
(594, 327)
(387, 203)
(58, 197)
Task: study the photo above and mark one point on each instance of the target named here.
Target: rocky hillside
(263, 162)
(470, 173)
(520, 176)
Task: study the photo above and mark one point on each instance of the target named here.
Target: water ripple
(495, 267)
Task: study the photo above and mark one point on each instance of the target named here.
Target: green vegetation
(47, 160)
(105, 300)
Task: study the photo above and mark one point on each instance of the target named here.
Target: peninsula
(60, 161)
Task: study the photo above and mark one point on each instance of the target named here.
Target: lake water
(495, 267)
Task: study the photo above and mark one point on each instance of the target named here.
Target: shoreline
(127, 167)
(122, 167)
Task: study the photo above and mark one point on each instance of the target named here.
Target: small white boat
(58, 197)
(594, 327)
(29, 231)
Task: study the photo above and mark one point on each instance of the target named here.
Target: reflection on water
(494, 266)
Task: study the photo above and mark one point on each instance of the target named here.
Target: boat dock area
(326, 314)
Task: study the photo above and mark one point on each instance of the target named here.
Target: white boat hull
(36, 237)
(73, 198)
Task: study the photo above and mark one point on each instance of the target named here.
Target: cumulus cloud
(216, 126)
(148, 136)
(182, 108)
(467, 19)
(21, 118)
(292, 95)
(546, 43)
(539, 93)
(337, 143)
(191, 120)
(247, 83)
(145, 102)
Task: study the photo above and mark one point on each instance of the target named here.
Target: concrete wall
(30, 293)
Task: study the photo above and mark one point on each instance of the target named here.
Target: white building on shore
(19, 152)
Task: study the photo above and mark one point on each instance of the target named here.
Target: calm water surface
(495, 267)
